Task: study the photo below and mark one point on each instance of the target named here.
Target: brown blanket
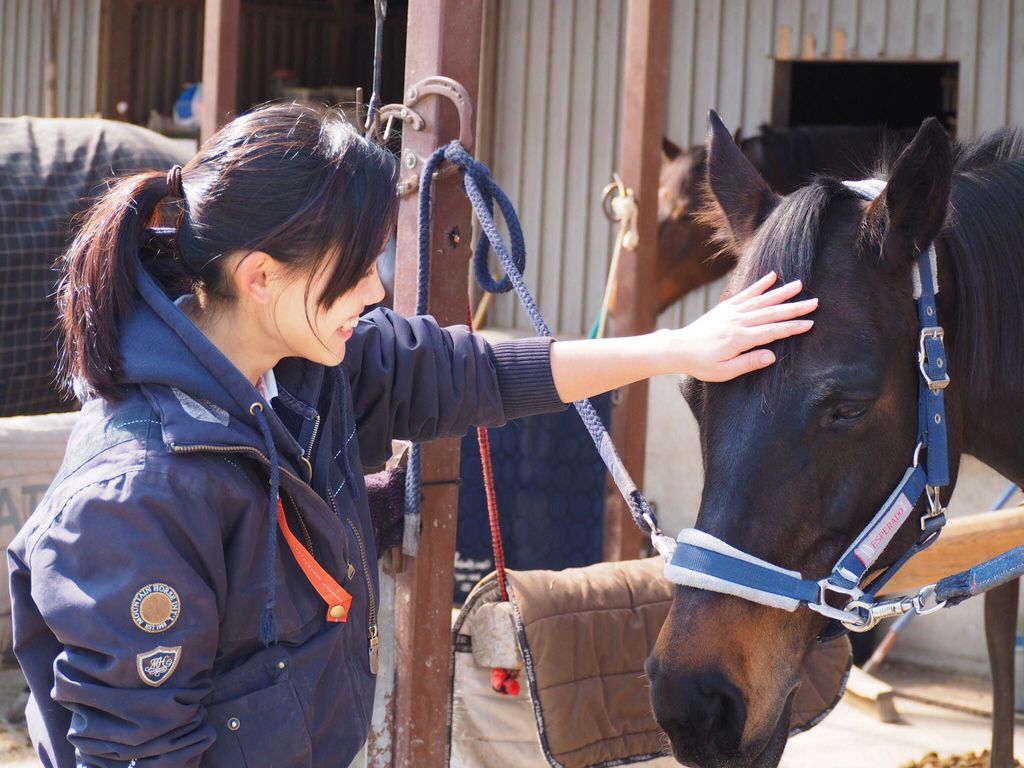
(583, 636)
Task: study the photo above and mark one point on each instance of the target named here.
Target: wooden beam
(116, 58)
(444, 39)
(220, 65)
(871, 695)
(643, 122)
(966, 541)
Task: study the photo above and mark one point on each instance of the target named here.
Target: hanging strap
(339, 602)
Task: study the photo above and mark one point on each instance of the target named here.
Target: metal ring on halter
(921, 598)
(917, 453)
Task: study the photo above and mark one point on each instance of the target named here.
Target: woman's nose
(375, 288)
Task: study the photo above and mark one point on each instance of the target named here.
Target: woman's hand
(716, 346)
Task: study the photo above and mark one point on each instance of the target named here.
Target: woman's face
(319, 333)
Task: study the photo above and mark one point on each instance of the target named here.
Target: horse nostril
(719, 712)
(703, 714)
(651, 667)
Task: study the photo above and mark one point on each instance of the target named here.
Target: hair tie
(174, 182)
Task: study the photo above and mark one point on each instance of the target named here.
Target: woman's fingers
(780, 312)
(756, 289)
(745, 363)
(770, 299)
(766, 334)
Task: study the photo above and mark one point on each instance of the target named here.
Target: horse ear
(670, 150)
(912, 209)
(741, 198)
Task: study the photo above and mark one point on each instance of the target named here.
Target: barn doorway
(898, 95)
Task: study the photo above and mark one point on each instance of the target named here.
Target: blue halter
(703, 561)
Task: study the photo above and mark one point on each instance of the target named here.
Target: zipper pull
(351, 572)
(374, 642)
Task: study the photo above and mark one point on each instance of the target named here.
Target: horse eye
(848, 412)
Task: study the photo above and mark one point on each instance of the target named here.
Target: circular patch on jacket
(155, 607)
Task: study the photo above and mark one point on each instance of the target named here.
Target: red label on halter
(338, 600)
(879, 537)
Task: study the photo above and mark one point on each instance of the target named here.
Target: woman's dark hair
(297, 182)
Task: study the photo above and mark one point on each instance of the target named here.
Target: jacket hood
(202, 397)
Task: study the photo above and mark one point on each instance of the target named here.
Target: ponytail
(296, 182)
(97, 283)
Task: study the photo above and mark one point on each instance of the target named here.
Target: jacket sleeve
(136, 658)
(414, 380)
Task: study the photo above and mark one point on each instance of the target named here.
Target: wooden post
(116, 59)
(444, 39)
(643, 122)
(220, 65)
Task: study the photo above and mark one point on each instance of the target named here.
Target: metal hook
(430, 86)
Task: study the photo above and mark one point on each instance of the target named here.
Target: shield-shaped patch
(157, 665)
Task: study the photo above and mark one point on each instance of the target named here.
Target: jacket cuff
(524, 377)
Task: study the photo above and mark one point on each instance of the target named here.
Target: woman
(197, 587)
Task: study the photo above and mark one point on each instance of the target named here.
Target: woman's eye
(848, 412)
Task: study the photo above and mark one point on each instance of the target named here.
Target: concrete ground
(941, 713)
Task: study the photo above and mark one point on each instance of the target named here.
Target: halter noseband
(700, 560)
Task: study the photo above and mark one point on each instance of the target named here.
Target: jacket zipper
(308, 456)
(302, 524)
(374, 640)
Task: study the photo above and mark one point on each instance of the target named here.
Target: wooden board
(872, 695)
(966, 541)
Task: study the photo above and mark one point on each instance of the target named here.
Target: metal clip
(931, 332)
(920, 601)
(663, 545)
(871, 613)
(935, 517)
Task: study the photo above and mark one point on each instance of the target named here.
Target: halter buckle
(935, 517)
(937, 333)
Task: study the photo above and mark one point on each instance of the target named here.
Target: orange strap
(338, 600)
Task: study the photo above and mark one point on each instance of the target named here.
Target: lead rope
(482, 191)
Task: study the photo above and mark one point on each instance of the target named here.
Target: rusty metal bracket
(405, 112)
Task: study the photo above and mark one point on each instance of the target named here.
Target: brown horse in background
(798, 457)
(687, 259)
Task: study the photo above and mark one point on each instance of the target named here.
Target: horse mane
(984, 238)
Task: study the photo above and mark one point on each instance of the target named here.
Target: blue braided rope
(268, 619)
(482, 191)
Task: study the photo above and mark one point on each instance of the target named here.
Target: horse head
(687, 258)
(799, 457)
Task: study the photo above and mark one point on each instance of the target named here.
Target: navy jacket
(138, 584)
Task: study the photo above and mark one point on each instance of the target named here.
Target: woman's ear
(254, 276)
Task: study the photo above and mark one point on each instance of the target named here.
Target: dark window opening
(898, 95)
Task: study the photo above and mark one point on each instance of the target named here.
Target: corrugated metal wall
(553, 141)
(557, 90)
(25, 49)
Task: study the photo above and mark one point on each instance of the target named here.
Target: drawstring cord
(268, 619)
(347, 431)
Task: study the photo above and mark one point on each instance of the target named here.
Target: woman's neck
(240, 339)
